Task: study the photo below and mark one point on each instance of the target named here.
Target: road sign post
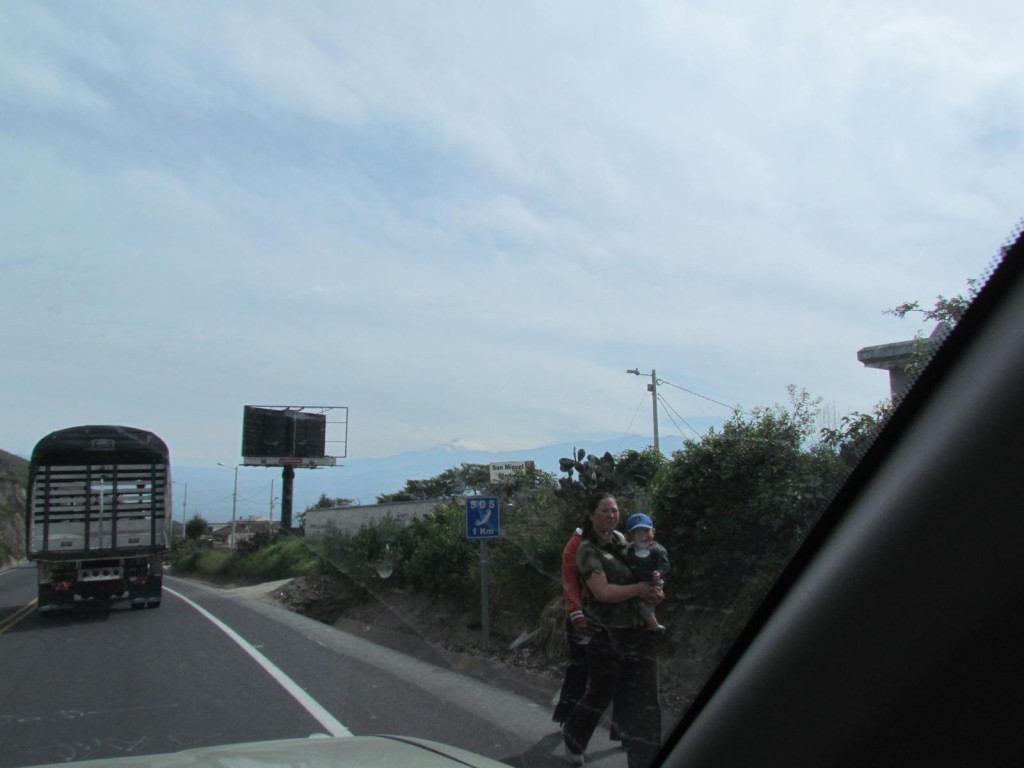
(483, 522)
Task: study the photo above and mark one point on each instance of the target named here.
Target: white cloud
(468, 221)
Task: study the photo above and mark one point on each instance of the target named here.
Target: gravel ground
(451, 634)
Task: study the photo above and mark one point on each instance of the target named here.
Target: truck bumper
(138, 582)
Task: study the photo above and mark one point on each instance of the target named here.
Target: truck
(98, 516)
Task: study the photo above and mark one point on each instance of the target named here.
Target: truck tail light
(138, 575)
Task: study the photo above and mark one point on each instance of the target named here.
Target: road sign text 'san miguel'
(499, 470)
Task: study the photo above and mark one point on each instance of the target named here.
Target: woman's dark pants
(575, 682)
(622, 664)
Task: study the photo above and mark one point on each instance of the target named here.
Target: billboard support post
(287, 478)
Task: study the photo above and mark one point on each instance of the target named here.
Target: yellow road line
(18, 615)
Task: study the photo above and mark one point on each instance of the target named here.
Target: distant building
(898, 358)
(244, 529)
(351, 519)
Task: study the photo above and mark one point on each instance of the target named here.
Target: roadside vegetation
(731, 507)
(13, 482)
(267, 559)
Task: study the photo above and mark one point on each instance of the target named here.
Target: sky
(465, 221)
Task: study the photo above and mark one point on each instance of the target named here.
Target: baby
(648, 559)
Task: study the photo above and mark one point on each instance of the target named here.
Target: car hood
(315, 752)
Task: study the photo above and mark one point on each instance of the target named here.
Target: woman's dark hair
(587, 526)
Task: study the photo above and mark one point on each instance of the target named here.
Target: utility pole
(653, 389)
(234, 501)
(234, 507)
(184, 505)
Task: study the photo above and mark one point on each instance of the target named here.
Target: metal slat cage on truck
(98, 489)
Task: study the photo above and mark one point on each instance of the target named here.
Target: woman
(622, 660)
(575, 683)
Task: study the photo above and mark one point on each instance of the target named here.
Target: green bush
(185, 555)
(213, 565)
(432, 554)
(732, 506)
(525, 565)
(254, 542)
(429, 554)
(441, 561)
(284, 557)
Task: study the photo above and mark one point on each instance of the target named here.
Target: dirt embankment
(13, 487)
(451, 634)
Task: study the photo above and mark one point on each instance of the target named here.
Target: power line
(673, 410)
(735, 408)
(656, 398)
(626, 434)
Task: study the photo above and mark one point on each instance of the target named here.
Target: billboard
(283, 433)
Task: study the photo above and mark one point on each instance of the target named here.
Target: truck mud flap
(146, 595)
(51, 601)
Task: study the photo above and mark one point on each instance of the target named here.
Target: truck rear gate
(99, 515)
(93, 510)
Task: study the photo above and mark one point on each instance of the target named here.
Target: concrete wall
(351, 519)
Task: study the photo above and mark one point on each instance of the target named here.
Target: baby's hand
(656, 576)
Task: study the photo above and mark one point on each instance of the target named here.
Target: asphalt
(531, 685)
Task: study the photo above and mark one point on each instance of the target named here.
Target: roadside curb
(533, 686)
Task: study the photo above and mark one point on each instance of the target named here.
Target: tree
(946, 312)
(856, 432)
(326, 502)
(586, 475)
(195, 528)
(733, 505)
(456, 481)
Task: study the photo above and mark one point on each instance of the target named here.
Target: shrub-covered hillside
(13, 484)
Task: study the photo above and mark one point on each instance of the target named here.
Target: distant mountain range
(210, 488)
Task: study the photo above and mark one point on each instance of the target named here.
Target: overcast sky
(466, 220)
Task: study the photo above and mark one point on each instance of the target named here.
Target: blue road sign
(483, 517)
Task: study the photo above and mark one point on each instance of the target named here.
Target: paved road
(216, 667)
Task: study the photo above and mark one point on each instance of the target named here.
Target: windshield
(406, 295)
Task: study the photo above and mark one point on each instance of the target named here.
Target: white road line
(321, 715)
